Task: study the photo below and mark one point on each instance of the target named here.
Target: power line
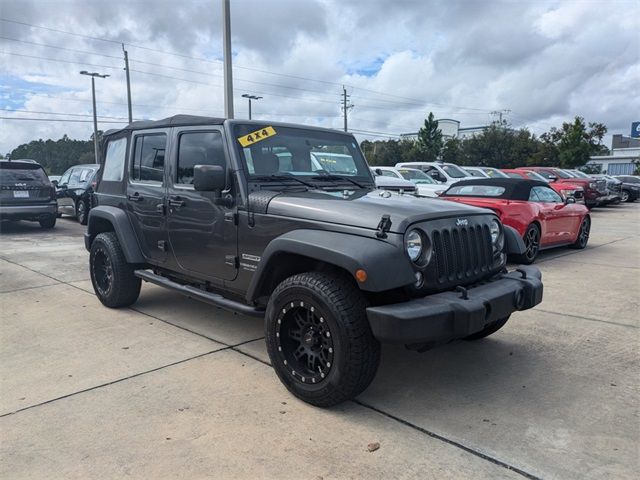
(60, 113)
(216, 61)
(60, 61)
(54, 120)
(59, 48)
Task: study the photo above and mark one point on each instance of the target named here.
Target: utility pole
(250, 97)
(499, 113)
(346, 106)
(126, 68)
(228, 73)
(93, 76)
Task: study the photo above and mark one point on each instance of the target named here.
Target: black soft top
(514, 188)
(174, 121)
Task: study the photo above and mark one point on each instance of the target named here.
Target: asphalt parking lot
(173, 388)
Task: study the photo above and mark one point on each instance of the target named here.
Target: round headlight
(413, 244)
(495, 231)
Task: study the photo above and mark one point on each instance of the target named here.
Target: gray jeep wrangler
(284, 222)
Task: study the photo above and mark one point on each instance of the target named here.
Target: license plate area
(20, 194)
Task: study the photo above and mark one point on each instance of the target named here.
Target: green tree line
(569, 146)
(56, 156)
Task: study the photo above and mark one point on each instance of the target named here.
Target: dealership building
(450, 128)
(624, 157)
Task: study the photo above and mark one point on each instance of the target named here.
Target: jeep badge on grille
(462, 222)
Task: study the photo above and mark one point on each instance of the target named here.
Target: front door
(557, 221)
(146, 193)
(202, 229)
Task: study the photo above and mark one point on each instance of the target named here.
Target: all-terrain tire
(112, 277)
(48, 222)
(323, 315)
(488, 330)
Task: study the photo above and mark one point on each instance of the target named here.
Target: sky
(540, 62)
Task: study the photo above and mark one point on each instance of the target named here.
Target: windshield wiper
(328, 176)
(276, 176)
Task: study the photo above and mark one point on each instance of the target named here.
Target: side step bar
(196, 293)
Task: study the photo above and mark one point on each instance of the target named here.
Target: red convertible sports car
(535, 210)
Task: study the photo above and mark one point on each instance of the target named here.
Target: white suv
(425, 185)
(444, 173)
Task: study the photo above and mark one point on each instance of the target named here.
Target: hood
(364, 208)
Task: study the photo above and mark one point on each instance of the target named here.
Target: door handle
(176, 201)
(160, 208)
(135, 197)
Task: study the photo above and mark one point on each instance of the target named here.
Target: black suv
(26, 193)
(75, 189)
(283, 222)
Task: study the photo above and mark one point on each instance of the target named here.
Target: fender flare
(514, 244)
(121, 226)
(385, 265)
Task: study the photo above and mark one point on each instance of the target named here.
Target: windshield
(559, 173)
(494, 173)
(454, 171)
(22, 173)
(580, 174)
(475, 190)
(280, 151)
(536, 176)
(416, 176)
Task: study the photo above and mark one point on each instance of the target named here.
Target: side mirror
(552, 178)
(54, 183)
(569, 200)
(209, 178)
(63, 186)
(378, 172)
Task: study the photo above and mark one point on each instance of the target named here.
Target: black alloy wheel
(113, 279)
(583, 234)
(82, 212)
(532, 243)
(304, 340)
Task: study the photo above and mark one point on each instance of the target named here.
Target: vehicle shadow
(456, 375)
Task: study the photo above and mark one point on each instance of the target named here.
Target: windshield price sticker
(256, 136)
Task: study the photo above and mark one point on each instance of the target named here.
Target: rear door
(146, 190)
(202, 230)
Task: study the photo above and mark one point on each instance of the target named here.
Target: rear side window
(148, 158)
(198, 148)
(114, 160)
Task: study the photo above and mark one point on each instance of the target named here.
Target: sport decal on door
(256, 136)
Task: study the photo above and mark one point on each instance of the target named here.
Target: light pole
(93, 76)
(250, 97)
(228, 73)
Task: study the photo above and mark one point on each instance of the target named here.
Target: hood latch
(384, 226)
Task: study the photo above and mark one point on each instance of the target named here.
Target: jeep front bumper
(450, 315)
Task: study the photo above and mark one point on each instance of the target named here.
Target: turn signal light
(361, 275)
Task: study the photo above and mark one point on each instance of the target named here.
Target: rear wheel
(489, 329)
(319, 340)
(583, 234)
(532, 244)
(48, 222)
(82, 211)
(112, 277)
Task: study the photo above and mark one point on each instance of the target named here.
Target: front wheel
(112, 277)
(532, 244)
(319, 340)
(625, 196)
(583, 234)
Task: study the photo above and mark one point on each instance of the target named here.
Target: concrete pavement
(174, 388)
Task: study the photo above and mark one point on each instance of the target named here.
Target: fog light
(419, 280)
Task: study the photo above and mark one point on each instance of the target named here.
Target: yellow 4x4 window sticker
(256, 136)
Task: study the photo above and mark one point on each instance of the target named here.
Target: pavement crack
(590, 319)
(461, 446)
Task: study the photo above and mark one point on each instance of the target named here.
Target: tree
(453, 151)
(56, 155)
(429, 144)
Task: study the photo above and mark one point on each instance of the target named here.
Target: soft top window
(476, 191)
